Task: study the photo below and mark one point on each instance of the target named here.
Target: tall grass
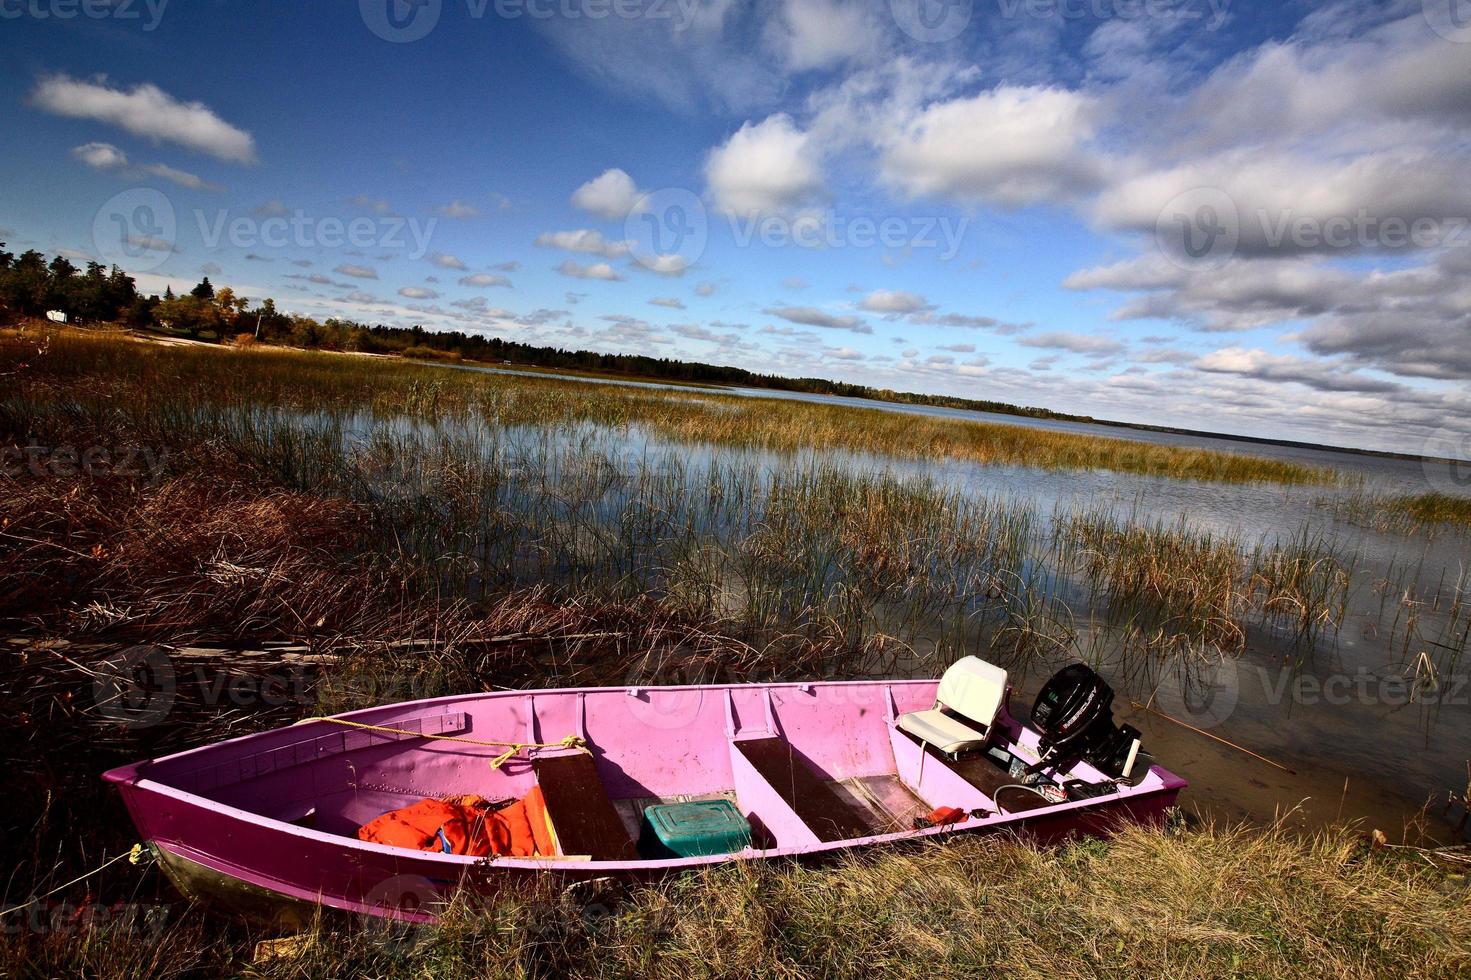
(331, 383)
(1186, 590)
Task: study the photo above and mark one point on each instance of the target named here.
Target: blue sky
(1186, 212)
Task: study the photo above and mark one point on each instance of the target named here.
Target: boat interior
(804, 765)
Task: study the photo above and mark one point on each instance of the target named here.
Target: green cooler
(698, 829)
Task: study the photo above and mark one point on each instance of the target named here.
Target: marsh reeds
(333, 383)
(1405, 513)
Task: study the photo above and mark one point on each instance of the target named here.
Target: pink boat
(268, 822)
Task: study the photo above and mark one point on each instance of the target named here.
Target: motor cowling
(1074, 717)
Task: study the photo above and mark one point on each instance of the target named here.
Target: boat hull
(216, 844)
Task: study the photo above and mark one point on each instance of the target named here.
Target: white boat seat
(971, 688)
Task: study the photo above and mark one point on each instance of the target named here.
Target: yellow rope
(512, 748)
(80, 878)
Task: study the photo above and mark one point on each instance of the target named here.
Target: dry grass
(1209, 902)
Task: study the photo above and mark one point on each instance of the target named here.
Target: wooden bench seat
(818, 805)
(583, 815)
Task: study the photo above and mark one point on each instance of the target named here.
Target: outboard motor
(1073, 716)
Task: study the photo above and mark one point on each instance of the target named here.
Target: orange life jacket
(464, 825)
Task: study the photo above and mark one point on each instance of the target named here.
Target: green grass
(1436, 508)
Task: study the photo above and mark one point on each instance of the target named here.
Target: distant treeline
(32, 286)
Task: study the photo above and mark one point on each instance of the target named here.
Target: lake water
(1357, 717)
(1380, 473)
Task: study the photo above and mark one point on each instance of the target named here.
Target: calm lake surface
(1356, 725)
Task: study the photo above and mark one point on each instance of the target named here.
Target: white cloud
(809, 316)
(101, 156)
(598, 270)
(672, 302)
(586, 240)
(665, 265)
(357, 271)
(146, 111)
(705, 289)
(611, 195)
(1077, 343)
(105, 156)
(821, 33)
(1283, 202)
(764, 167)
(416, 292)
(1010, 146)
(966, 321)
(485, 280)
(181, 177)
(894, 301)
(458, 211)
(446, 261)
(1322, 375)
(368, 203)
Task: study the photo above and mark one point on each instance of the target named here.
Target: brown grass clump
(194, 556)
